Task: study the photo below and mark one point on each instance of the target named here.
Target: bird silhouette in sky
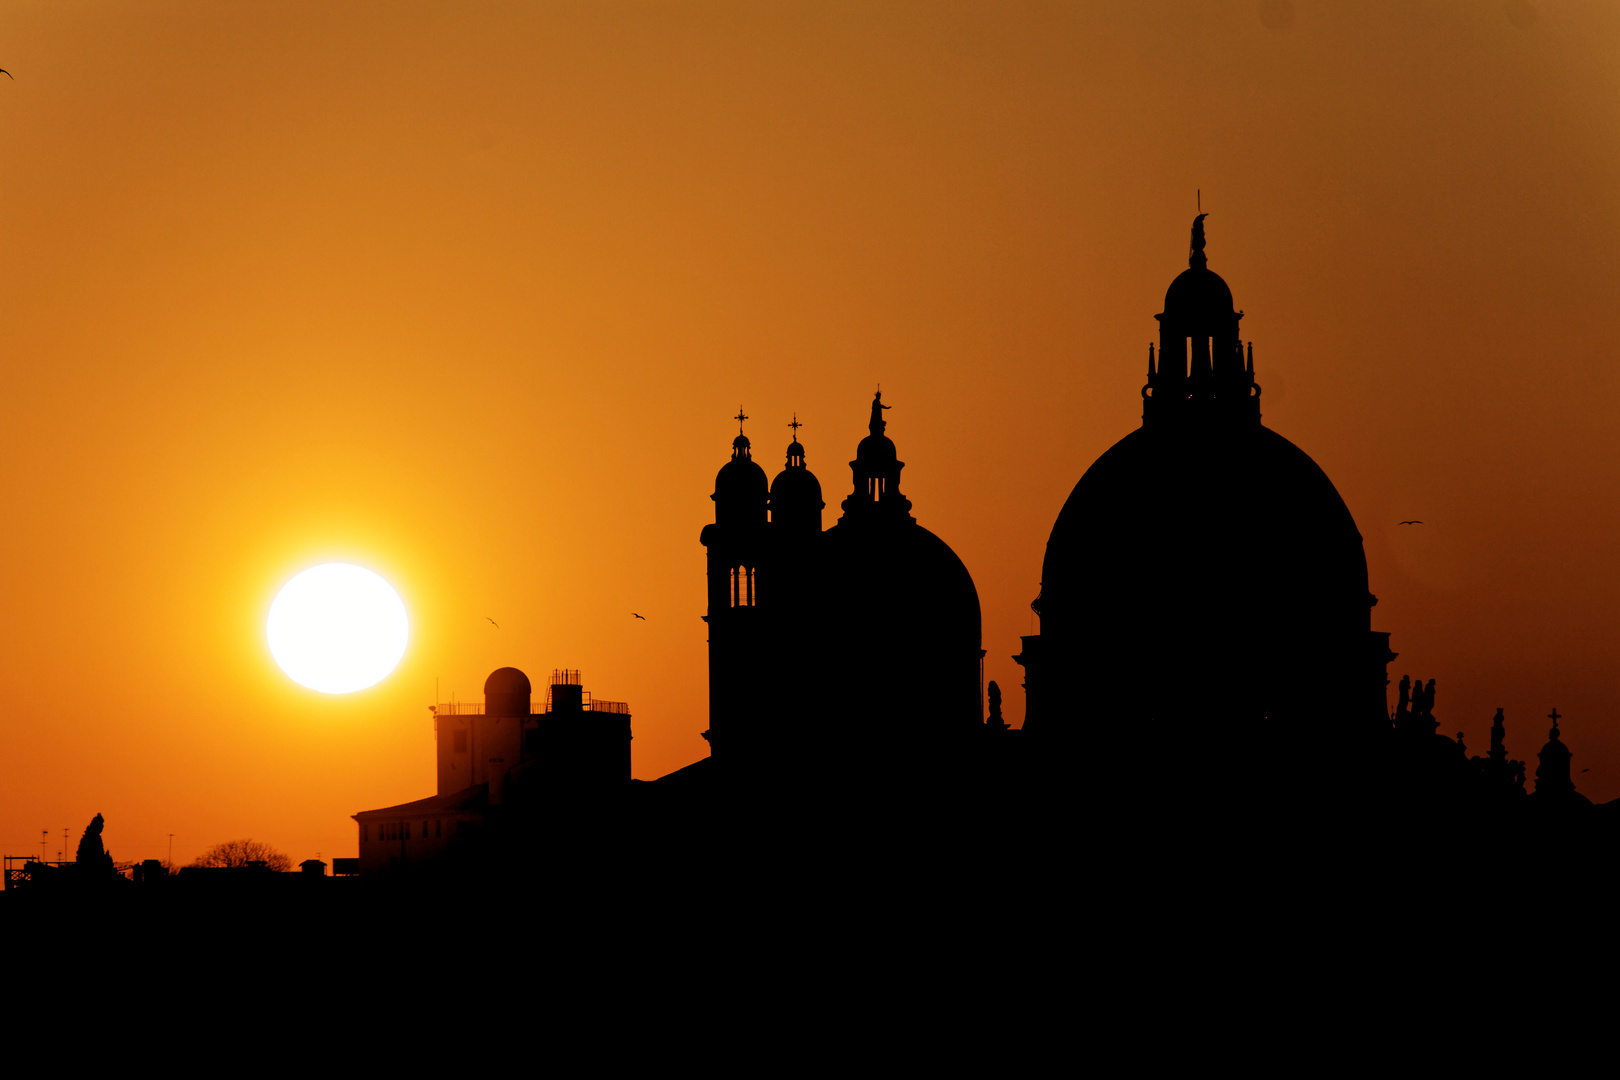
(643, 618)
(493, 623)
(1409, 523)
(8, 74)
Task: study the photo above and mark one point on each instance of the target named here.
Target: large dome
(907, 583)
(1204, 584)
(1237, 516)
(903, 607)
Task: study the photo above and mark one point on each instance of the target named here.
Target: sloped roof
(472, 798)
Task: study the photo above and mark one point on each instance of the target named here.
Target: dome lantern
(796, 493)
(876, 470)
(1201, 367)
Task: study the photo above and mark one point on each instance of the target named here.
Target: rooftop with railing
(476, 708)
(568, 678)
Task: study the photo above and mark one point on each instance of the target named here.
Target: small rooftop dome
(507, 693)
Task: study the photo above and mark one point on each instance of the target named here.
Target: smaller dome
(876, 449)
(796, 488)
(1197, 293)
(507, 680)
(507, 693)
(740, 477)
(740, 488)
(795, 450)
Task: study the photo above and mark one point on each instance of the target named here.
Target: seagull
(643, 618)
(1409, 523)
(8, 74)
(493, 623)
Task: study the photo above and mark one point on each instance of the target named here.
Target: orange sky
(467, 294)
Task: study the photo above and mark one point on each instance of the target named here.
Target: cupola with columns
(1201, 369)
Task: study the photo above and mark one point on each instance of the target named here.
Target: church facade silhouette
(1204, 610)
(789, 602)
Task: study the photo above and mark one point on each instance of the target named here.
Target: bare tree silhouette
(235, 853)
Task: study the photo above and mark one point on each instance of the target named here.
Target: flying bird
(643, 618)
(8, 74)
(493, 623)
(1409, 523)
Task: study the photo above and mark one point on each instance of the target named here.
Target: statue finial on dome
(1196, 259)
(877, 423)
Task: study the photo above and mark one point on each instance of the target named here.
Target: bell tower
(736, 549)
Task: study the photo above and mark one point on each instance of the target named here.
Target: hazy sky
(468, 294)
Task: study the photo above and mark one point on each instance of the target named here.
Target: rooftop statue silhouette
(878, 425)
(1502, 779)
(995, 722)
(92, 859)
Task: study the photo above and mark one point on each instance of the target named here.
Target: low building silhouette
(501, 759)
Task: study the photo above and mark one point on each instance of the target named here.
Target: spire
(795, 452)
(1552, 772)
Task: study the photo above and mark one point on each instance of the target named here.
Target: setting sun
(337, 628)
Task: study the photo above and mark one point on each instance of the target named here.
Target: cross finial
(795, 425)
(739, 418)
(1554, 717)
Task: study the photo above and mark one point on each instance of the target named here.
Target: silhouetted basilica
(1206, 658)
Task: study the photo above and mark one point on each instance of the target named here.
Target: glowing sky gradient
(467, 294)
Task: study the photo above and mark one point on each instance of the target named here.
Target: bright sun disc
(337, 628)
